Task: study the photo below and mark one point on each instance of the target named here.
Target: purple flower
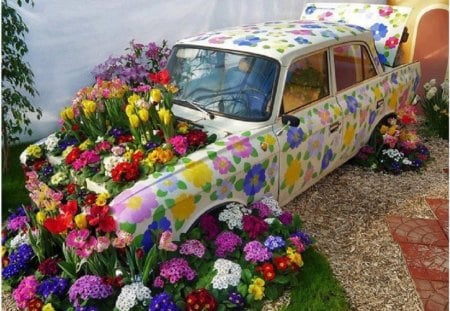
(274, 242)
(192, 247)
(352, 103)
(222, 165)
(17, 223)
(175, 269)
(255, 252)
(263, 210)
(304, 237)
(372, 116)
(286, 218)
(254, 180)
(294, 136)
(88, 287)
(54, 285)
(163, 302)
(226, 243)
(327, 157)
(315, 144)
(209, 226)
(239, 146)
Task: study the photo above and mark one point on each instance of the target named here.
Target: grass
(317, 288)
(13, 182)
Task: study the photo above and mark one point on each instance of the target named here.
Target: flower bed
(234, 258)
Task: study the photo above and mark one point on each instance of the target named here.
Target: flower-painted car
(254, 111)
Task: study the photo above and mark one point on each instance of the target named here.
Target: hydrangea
(209, 226)
(89, 287)
(163, 302)
(255, 252)
(228, 274)
(227, 242)
(192, 247)
(232, 215)
(274, 242)
(54, 285)
(175, 269)
(25, 291)
(131, 295)
(273, 205)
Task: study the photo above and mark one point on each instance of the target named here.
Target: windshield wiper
(197, 107)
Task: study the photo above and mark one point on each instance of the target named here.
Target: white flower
(273, 205)
(228, 274)
(431, 92)
(51, 142)
(110, 162)
(18, 240)
(433, 82)
(406, 161)
(131, 295)
(436, 107)
(232, 215)
(426, 86)
(99, 139)
(58, 178)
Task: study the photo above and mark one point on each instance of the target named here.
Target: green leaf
(242, 289)
(150, 261)
(265, 164)
(246, 276)
(130, 228)
(213, 196)
(212, 155)
(246, 133)
(161, 193)
(178, 224)
(181, 185)
(197, 198)
(185, 160)
(170, 203)
(239, 185)
(69, 269)
(247, 167)
(207, 187)
(236, 159)
(254, 153)
(159, 213)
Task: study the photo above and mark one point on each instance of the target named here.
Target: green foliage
(435, 108)
(17, 79)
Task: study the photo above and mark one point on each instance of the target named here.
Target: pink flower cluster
(86, 158)
(298, 243)
(192, 247)
(209, 226)
(25, 291)
(254, 226)
(179, 143)
(263, 210)
(17, 223)
(175, 269)
(82, 242)
(255, 252)
(226, 243)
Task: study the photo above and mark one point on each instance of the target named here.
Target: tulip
(143, 115)
(164, 116)
(133, 99)
(134, 120)
(80, 221)
(129, 110)
(40, 217)
(155, 95)
(89, 106)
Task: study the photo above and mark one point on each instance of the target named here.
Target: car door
(359, 92)
(309, 141)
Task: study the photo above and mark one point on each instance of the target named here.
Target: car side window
(307, 81)
(352, 64)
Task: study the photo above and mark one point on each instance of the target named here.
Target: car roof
(278, 39)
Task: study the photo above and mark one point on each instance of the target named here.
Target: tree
(17, 80)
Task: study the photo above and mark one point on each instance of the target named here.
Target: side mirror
(290, 120)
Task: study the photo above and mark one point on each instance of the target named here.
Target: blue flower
(304, 237)
(53, 286)
(301, 40)
(236, 299)
(372, 116)
(379, 31)
(294, 136)
(254, 180)
(394, 78)
(329, 34)
(148, 240)
(310, 9)
(327, 157)
(274, 242)
(163, 302)
(247, 41)
(352, 103)
(382, 58)
(311, 26)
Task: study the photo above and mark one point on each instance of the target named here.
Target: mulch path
(424, 244)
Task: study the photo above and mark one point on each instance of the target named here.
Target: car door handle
(334, 126)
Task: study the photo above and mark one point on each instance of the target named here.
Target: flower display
(435, 107)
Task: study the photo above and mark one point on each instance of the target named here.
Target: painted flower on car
(254, 180)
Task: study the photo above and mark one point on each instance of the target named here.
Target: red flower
(71, 188)
(124, 139)
(35, 304)
(90, 199)
(200, 299)
(254, 226)
(99, 217)
(125, 171)
(73, 155)
(196, 138)
(282, 263)
(39, 164)
(49, 266)
(59, 223)
(137, 156)
(75, 127)
(162, 77)
(70, 208)
(5, 261)
(140, 253)
(113, 281)
(267, 270)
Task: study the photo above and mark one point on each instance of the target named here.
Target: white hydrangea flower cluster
(19, 239)
(228, 274)
(394, 154)
(232, 215)
(131, 295)
(51, 142)
(110, 162)
(273, 205)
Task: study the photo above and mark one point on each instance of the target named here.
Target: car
(289, 102)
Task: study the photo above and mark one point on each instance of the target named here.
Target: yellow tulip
(80, 221)
(69, 113)
(48, 307)
(40, 217)
(129, 110)
(143, 115)
(133, 99)
(134, 120)
(155, 95)
(89, 106)
(164, 115)
(102, 199)
(86, 144)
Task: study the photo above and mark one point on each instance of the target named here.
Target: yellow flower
(393, 100)
(143, 115)
(293, 173)
(128, 154)
(377, 93)
(269, 139)
(164, 115)
(3, 250)
(134, 120)
(391, 131)
(153, 156)
(155, 95)
(89, 107)
(184, 207)
(40, 217)
(67, 151)
(133, 99)
(295, 258)
(256, 291)
(34, 150)
(383, 129)
(48, 307)
(102, 199)
(171, 88)
(129, 110)
(198, 173)
(183, 127)
(259, 282)
(337, 111)
(349, 135)
(86, 144)
(67, 114)
(80, 221)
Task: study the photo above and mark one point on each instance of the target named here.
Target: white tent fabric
(68, 38)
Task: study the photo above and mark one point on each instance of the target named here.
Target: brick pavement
(424, 244)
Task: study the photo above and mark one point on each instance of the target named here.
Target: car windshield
(239, 86)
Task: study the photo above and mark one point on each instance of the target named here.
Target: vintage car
(289, 101)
